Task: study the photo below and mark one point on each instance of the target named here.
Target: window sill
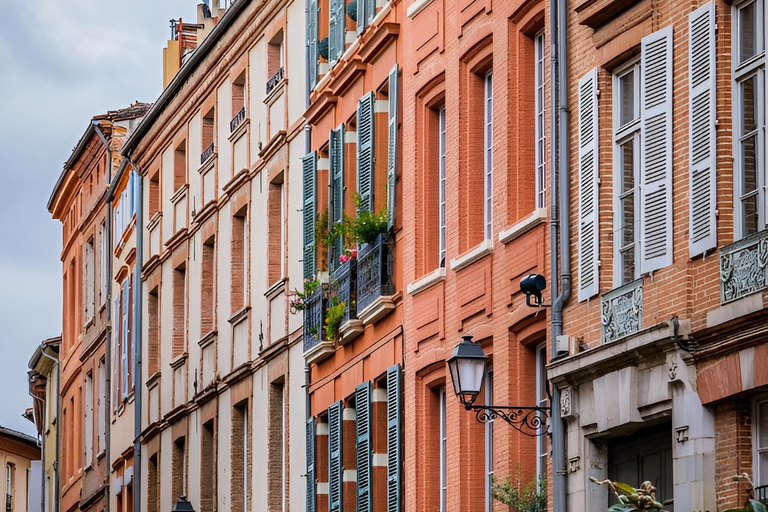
(179, 194)
(178, 361)
(416, 7)
(154, 220)
(277, 91)
(428, 281)
(275, 290)
(101, 455)
(238, 316)
(538, 216)
(207, 165)
(207, 339)
(153, 380)
(479, 251)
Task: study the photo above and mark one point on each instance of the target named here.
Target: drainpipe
(58, 430)
(108, 355)
(137, 337)
(41, 442)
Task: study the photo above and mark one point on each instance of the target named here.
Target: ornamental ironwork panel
(206, 154)
(374, 270)
(237, 120)
(621, 311)
(342, 287)
(314, 318)
(744, 267)
(274, 80)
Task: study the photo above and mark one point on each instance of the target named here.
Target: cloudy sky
(61, 61)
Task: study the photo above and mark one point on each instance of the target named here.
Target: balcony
(375, 286)
(274, 80)
(237, 120)
(761, 494)
(744, 267)
(206, 154)
(343, 288)
(316, 348)
(621, 311)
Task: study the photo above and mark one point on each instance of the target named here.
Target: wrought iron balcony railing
(206, 154)
(314, 319)
(237, 120)
(761, 494)
(621, 311)
(744, 267)
(274, 80)
(342, 287)
(374, 270)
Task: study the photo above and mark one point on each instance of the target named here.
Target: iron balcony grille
(621, 311)
(237, 120)
(8, 502)
(343, 288)
(206, 154)
(314, 319)
(374, 270)
(274, 80)
(744, 267)
(761, 494)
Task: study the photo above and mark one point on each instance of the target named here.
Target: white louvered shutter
(656, 151)
(702, 105)
(311, 475)
(365, 153)
(335, 469)
(336, 195)
(394, 438)
(312, 42)
(309, 174)
(589, 239)
(363, 445)
(392, 146)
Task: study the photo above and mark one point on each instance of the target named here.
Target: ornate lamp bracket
(526, 420)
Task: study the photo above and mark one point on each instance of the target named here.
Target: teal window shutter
(365, 159)
(312, 42)
(309, 172)
(336, 195)
(337, 19)
(363, 445)
(311, 477)
(335, 470)
(394, 438)
(392, 148)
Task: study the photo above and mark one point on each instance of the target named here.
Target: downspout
(108, 355)
(137, 338)
(560, 259)
(58, 430)
(40, 440)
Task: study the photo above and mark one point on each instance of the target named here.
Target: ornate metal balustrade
(274, 80)
(237, 120)
(761, 494)
(314, 319)
(621, 311)
(744, 267)
(374, 270)
(206, 154)
(343, 288)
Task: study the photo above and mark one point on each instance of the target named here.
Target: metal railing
(621, 311)
(374, 270)
(274, 80)
(206, 154)
(761, 494)
(342, 287)
(237, 120)
(314, 318)
(8, 502)
(744, 267)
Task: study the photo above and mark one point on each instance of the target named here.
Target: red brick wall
(733, 448)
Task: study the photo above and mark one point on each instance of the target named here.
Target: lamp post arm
(528, 420)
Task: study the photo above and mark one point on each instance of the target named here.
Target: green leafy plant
(321, 240)
(368, 225)
(531, 497)
(333, 317)
(298, 301)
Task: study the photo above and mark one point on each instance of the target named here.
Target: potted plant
(333, 317)
(299, 299)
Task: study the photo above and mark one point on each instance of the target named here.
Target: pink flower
(343, 258)
(353, 253)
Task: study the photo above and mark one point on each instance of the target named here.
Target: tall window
(207, 288)
(180, 165)
(761, 443)
(9, 470)
(101, 417)
(239, 261)
(153, 484)
(488, 156)
(90, 303)
(626, 138)
(178, 471)
(208, 463)
(179, 309)
(276, 447)
(541, 179)
(88, 422)
(749, 116)
(489, 445)
(104, 254)
(542, 449)
(443, 454)
(153, 331)
(240, 459)
(276, 235)
(441, 186)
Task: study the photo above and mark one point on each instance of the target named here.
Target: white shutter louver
(335, 469)
(363, 444)
(309, 173)
(656, 151)
(589, 239)
(702, 105)
(394, 438)
(392, 146)
(365, 161)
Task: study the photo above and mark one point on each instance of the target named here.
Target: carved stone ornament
(672, 369)
(744, 267)
(573, 464)
(622, 311)
(566, 402)
(681, 434)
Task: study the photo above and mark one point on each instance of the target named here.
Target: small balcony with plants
(313, 301)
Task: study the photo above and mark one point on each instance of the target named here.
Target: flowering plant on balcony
(298, 300)
(368, 225)
(349, 254)
(333, 318)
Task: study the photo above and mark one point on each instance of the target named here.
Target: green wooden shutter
(312, 42)
(394, 438)
(335, 470)
(311, 477)
(392, 148)
(362, 16)
(337, 19)
(365, 152)
(336, 196)
(309, 171)
(363, 445)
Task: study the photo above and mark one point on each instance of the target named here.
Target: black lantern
(183, 505)
(468, 365)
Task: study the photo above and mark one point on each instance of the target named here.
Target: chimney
(185, 37)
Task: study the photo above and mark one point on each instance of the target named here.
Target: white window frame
(488, 155)
(489, 444)
(621, 135)
(102, 406)
(443, 451)
(441, 123)
(540, 120)
(245, 259)
(760, 479)
(542, 400)
(754, 66)
(90, 285)
(88, 423)
(104, 254)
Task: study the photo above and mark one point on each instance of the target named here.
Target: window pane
(749, 104)
(748, 27)
(628, 262)
(627, 98)
(763, 469)
(628, 220)
(749, 207)
(627, 166)
(762, 426)
(749, 164)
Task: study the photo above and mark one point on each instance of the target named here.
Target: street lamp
(468, 366)
(183, 505)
